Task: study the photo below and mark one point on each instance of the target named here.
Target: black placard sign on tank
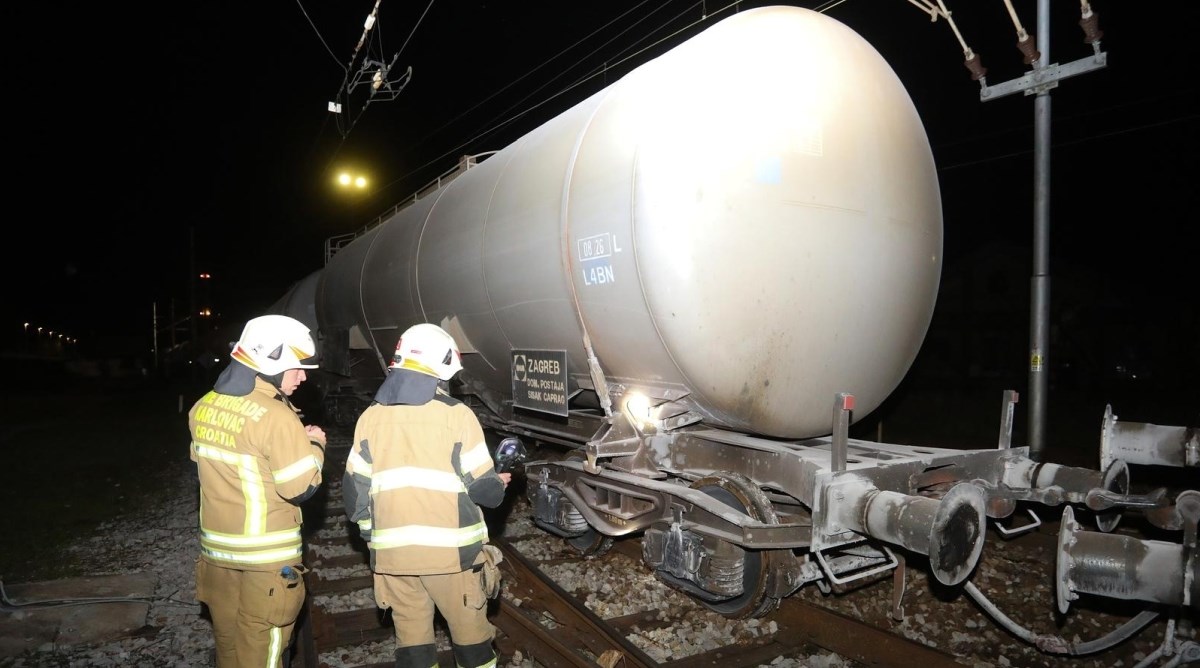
(539, 380)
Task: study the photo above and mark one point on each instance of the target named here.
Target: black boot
(474, 656)
(417, 656)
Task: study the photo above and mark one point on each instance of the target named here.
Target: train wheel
(737, 491)
(591, 543)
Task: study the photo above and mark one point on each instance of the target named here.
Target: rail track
(541, 623)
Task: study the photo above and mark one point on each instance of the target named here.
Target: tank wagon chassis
(740, 522)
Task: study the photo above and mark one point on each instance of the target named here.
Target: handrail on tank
(337, 242)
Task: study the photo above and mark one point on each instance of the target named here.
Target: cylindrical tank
(751, 219)
(299, 301)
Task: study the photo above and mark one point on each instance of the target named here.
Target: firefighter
(257, 462)
(415, 479)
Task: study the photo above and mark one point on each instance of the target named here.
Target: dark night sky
(132, 125)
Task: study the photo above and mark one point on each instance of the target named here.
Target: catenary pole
(1044, 77)
(1039, 328)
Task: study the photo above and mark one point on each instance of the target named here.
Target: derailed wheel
(591, 543)
(738, 492)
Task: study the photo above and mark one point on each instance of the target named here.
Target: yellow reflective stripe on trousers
(412, 476)
(275, 653)
(251, 480)
(293, 471)
(475, 457)
(416, 534)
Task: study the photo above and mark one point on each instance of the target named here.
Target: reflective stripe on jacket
(252, 455)
(410, 481)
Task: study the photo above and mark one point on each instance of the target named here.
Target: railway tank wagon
(696, 279)
(745, 226)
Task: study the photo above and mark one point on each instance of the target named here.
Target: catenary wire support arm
(367, 26)
(378, 73)
(1044, 77)
(384, 88)
(927, 7)
(971, 60)
(343, 92)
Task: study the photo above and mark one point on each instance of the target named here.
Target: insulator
(1028, 48)
(975, 65)
(1091, 28)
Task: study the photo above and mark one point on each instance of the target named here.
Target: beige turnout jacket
(255, 463)
(414, 481)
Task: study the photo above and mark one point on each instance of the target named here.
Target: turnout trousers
(253, 613)
(458, 597)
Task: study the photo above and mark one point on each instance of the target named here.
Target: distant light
(349, 179)
(206, 275)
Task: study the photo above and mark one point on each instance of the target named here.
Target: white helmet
(429, 349)
(272, 344)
